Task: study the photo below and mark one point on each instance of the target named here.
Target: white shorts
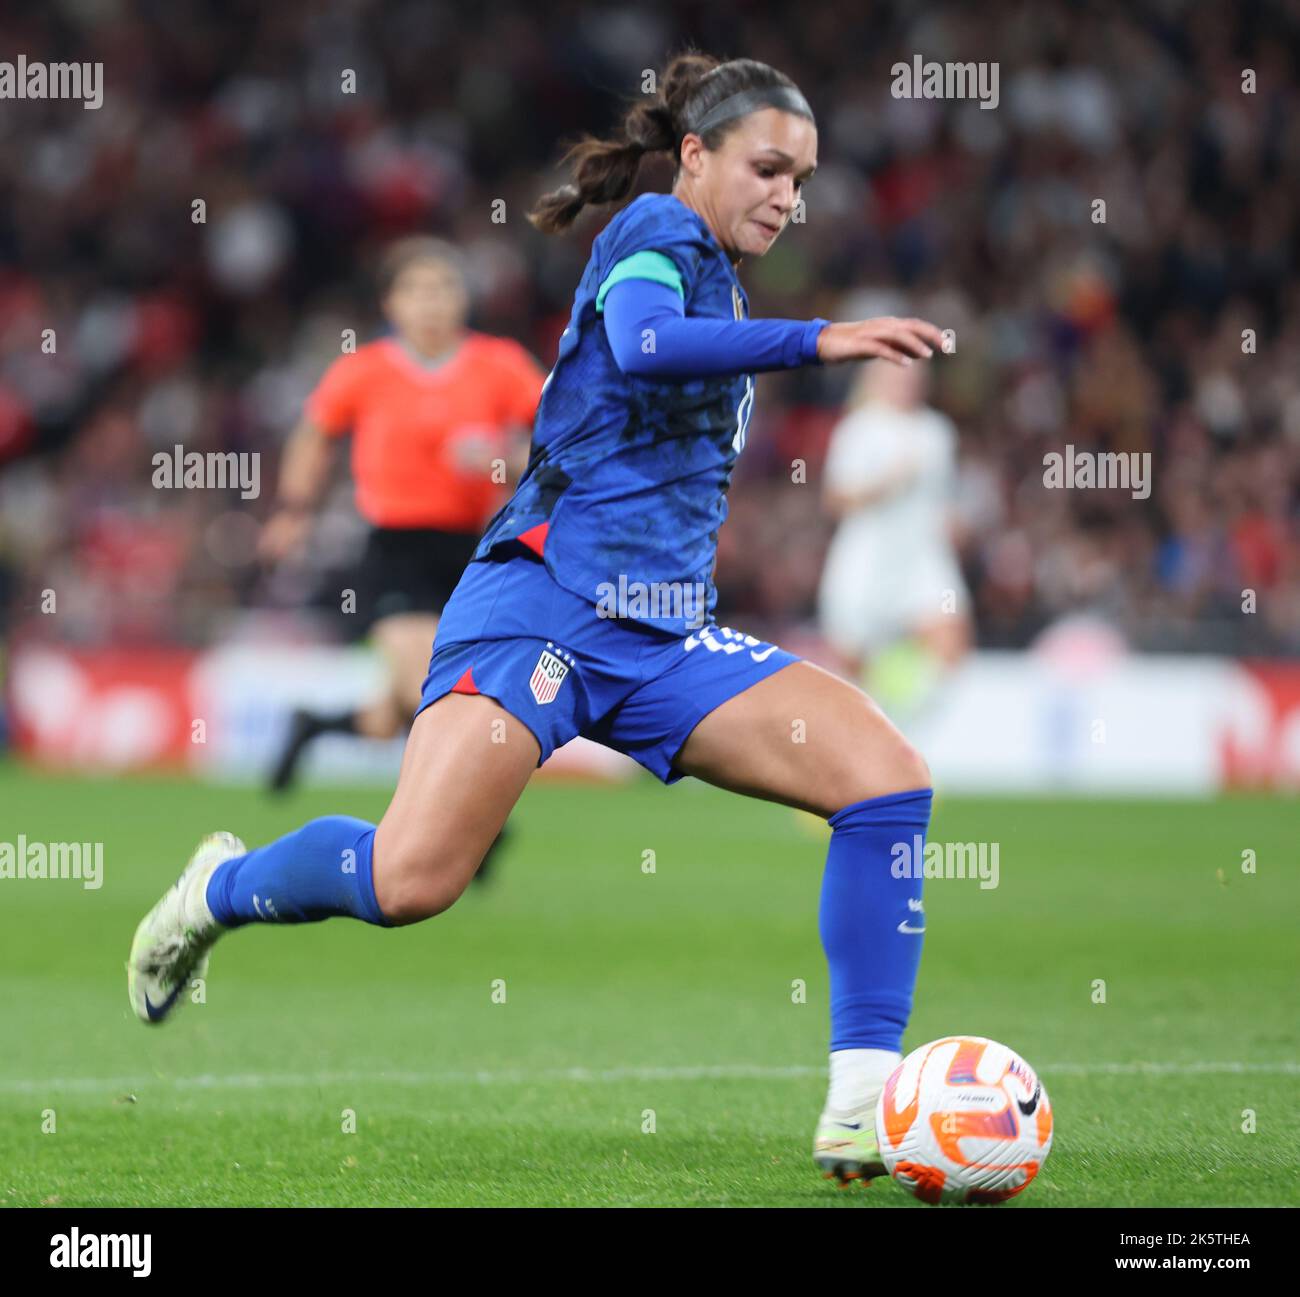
(862, 606)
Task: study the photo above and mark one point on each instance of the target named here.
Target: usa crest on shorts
(548, 675)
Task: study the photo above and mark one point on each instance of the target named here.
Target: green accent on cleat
(846, 1150)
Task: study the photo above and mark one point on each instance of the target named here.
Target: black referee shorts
(408, 570)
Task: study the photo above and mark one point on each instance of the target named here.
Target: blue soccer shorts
(512, 632)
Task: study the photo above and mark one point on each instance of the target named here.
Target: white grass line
(724, 1071)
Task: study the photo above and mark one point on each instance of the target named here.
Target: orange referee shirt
(406, 421)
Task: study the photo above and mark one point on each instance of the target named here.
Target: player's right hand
(887, 338)
(284, 535)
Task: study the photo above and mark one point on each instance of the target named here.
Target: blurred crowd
(313, 134)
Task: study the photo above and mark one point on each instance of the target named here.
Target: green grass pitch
(651, 1049)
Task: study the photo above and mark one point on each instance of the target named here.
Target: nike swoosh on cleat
(904, 927)
(157, 1011)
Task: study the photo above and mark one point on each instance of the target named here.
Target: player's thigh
(405, 641)
(466, 762)
(804, 737)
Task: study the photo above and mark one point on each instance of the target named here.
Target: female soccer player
(588, 606)
(432, 410)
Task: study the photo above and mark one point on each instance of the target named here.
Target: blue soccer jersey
(625, 488)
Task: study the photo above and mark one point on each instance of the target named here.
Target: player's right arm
(304, 469)
(308, 457)
(865, 464)
(840, 501)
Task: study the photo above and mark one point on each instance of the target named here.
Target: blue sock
(321, 869)
(870, 932)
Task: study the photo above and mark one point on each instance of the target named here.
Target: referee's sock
(304, 726)
(331, 722)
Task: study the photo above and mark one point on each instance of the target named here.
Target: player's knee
(894, 766)
(414, 900)
(414, 881)
(910, 767)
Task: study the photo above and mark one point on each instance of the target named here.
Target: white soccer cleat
(845, 1147)
(172, 942)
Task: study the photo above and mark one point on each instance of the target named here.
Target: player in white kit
(892, 601)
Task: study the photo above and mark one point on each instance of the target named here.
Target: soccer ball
(963, 1119)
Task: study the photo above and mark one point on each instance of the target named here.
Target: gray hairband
(746, 101)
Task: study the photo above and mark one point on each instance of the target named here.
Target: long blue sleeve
(694, 347)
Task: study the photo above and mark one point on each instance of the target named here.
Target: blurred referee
(440, 417)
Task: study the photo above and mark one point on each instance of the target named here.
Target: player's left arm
(513, 380)
(521, 391)
(651, 336)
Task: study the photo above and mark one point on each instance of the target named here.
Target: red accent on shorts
(535, 537)
(465, 685)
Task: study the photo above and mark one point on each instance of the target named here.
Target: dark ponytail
(604, 171)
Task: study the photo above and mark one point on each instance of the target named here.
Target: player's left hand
(474, 453)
